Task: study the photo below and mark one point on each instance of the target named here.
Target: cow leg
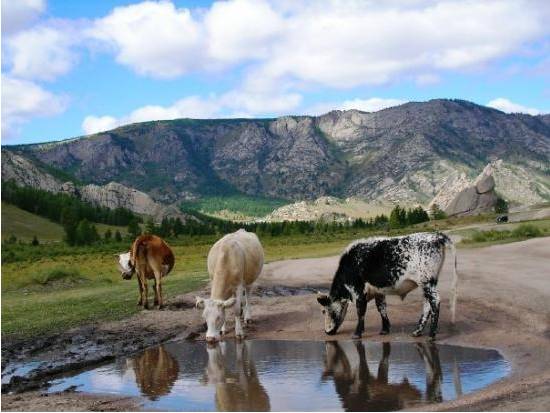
(239, 333)
(247, 315)
(158, 289)
(426, 310)
(140, 284)
(361, 306)
(434, 300)
(381, 307)
(145, 293)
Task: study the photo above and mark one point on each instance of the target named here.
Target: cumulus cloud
(235, 103)
(370, 105)
(23, 100)
(18, 14)
(152, 38)
(43, 52)
(508, 106)
(336, 44)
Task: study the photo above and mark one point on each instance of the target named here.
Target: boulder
(479, 197)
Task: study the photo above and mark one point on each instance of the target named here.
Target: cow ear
(199, 302)
(229, 302)
(323, 299)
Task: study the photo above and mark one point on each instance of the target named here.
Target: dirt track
(504, 303)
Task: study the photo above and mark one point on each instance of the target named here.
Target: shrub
(527, 231)
(56, 275)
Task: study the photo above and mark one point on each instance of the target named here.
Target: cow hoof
(416, 333)
(384, 332)
(431, 338)
(239, 337)
(356, 337)
(248, 321)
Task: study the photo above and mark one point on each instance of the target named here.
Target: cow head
(214, 315)
(334, 310)
(125, 266)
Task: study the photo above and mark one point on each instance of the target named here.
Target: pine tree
(108, 235)
(118, 237)
(133, 229)
(34, 241)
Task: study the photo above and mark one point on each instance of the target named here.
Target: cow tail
(454, 283)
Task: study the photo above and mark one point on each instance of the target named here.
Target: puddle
(293, 375)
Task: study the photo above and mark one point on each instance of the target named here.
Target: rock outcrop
(25, 173)
(113, 195)
(478, 198)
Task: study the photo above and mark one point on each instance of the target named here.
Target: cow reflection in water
(156, 372)
(359, 390)
(238, 390)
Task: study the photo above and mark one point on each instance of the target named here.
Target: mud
(503, 304)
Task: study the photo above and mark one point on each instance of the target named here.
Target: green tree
(69, 222)
(398, 217)
(134, 230)
(108, 235)
(34, 241)
(436, 212)
(150, 227)
(118, 237)
(86, 233)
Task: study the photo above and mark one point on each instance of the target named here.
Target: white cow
(234, 263)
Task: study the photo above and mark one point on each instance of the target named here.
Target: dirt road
(504, 303)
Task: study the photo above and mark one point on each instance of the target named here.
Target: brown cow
(151, 258)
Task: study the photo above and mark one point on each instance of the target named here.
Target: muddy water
(294, 375)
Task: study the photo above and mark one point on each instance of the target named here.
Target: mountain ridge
(399, 154)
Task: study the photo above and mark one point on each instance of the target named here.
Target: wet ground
(504, 292)
(292, 375)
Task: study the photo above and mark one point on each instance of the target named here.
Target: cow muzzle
(212, 339)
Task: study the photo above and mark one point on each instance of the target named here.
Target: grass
(235, 206)
(25, 225)
(521, 232)
(50, 288)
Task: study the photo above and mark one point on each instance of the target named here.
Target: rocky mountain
(400, 154)
(112, 195)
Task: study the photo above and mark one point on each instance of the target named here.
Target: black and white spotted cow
(375, 267)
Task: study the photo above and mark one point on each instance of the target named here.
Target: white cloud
(152, 38)
(508, 106)
(23, 100)
(370, 105)
(18, 14)
(241, 29)
(366, 105)
(339, 44)
(235, 103)
(43, 52)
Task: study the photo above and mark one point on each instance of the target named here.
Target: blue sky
(76, 67)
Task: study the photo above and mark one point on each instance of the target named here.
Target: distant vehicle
(502, 219)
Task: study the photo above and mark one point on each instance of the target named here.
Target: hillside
(400, 154)
(25, 226)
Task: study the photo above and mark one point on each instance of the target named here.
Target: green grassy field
(236, 207)
(25, 226)
(45, 294)
(53, 287)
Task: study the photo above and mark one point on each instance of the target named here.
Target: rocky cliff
(401, 154)
(113, 195)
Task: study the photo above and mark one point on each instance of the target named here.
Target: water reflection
(293, 375)
(237, 390)
(155, 371)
